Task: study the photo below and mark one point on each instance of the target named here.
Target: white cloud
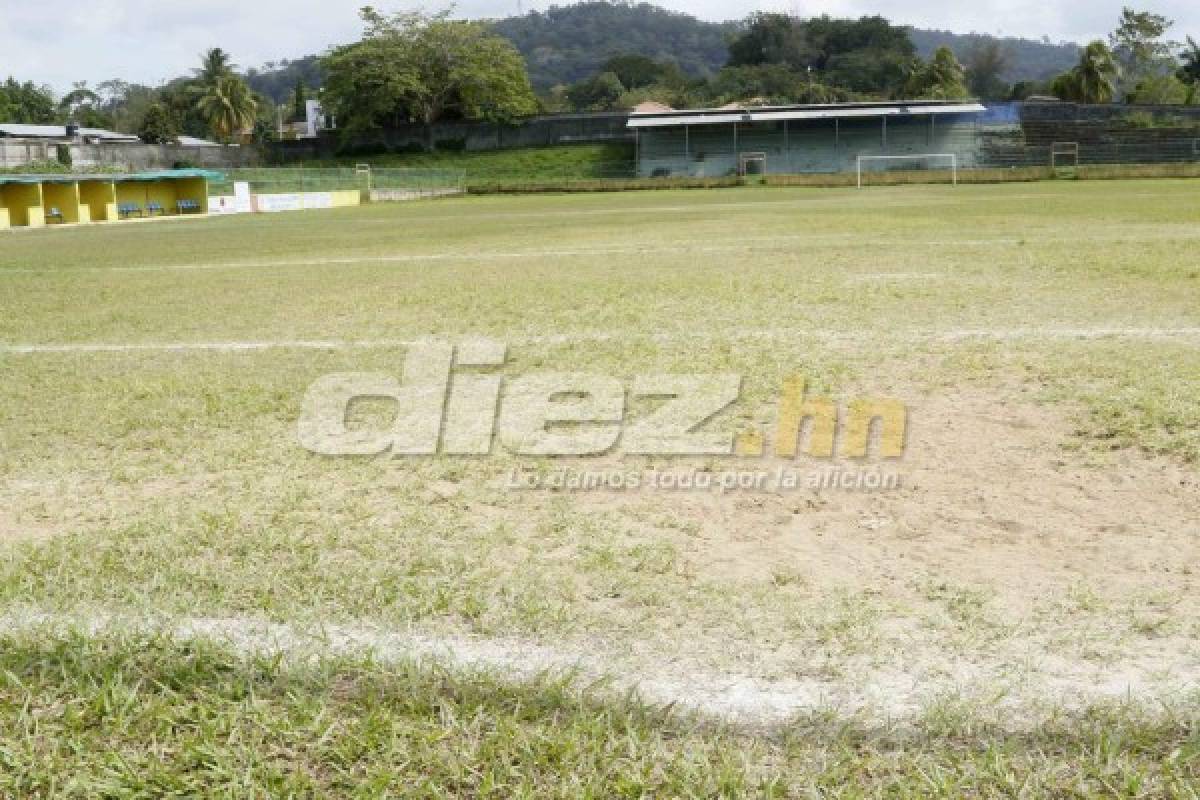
(149, 41)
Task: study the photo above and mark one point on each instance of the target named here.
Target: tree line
(413, 67)
(779, 58)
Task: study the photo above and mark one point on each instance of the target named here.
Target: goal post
(946, 158)
(747, 160)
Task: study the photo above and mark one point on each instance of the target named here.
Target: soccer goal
(752, 164)
(930, 159)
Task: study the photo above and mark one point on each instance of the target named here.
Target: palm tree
(1096, 74)
(228, 106)
(214, 64)
(1190, 71)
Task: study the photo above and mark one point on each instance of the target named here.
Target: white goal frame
(951, 157)
(746, 159)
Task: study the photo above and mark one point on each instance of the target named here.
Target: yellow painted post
(99, 200)
(24, 202)
(64, 197)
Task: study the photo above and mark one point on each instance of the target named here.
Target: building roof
(717, 116)
(70, 177)
(19, 130)
(192, 141)
(651, 107)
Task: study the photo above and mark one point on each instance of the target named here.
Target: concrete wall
(472, 136)
(100, 198)
(128, 157)
(64, 197)
(276, 202)
(24, 204)
(820, 146)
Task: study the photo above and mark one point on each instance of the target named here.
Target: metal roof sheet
(160, 175)
(60, 132)
(775, 114)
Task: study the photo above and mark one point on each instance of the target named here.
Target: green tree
(1160, 90)
(214, 65)
(637, 71)
(299, 102)
(942, 78)
(228, 106)
(598, 93)
(771, 38)
(1139, 48)
(26, 103)
(772, 83)
(867, 55)
(81, 106)
(1189, 71)
(413, 66)
(158, 125)
(986, 63)
(1092, 80)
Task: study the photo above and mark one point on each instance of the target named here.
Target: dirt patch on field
(988, 496)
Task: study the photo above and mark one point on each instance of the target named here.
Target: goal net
(929, 161)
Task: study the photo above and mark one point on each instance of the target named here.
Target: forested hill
(1028, 59)
(567, 44)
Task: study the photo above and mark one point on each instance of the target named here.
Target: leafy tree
(412, 66)
(1189, 71)
(1160, 90)
(26, 103)
(1028, 60)
(158, 125)
(228, 105)
(867, 55)
(771, 38)
(772, 83)
(1138, 47)
(1092, 80)
(299, 102)
(637, 71)
(1023, 90)
(567, 44)
(125, 104)
(278, 80)
(942, 78)
(599, 93)
(986, 63)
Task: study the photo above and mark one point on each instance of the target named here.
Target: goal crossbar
(951, 157)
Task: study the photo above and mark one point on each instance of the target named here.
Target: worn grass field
(195, 603)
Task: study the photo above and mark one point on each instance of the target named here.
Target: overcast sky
(149, 41)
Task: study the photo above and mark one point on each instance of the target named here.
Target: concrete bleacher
(806, 146)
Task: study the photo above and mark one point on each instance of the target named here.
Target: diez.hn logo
(449, 402)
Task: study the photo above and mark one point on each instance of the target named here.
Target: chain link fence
(375, 184)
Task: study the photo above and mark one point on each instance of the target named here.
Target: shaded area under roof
(125, 177)
(717, 116)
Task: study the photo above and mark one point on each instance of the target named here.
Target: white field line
(682, 248)
(743, 244)
(894, 693)
(934, 336)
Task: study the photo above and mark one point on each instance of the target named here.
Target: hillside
(567, 44)
(1030, 60)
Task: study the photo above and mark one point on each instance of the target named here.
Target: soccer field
(1016, 614)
